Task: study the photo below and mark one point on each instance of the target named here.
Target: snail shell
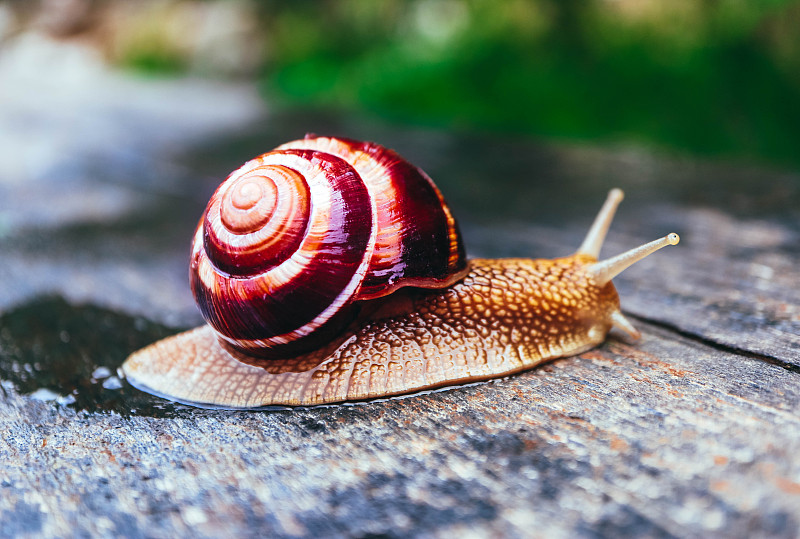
(407, 312)
(293, 240)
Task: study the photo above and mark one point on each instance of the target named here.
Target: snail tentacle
(605, 270)
(597, 232)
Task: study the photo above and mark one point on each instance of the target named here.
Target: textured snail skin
(505, 316)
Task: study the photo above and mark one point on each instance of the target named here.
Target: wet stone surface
(692, 431)
(69, 355)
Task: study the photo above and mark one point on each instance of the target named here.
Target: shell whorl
(296, 237)
(417, 239)
(258, 220)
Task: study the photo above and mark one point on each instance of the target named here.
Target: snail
(332, 270)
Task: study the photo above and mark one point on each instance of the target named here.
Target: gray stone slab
(668, 437)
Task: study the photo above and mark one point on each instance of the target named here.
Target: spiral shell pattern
(295, 238)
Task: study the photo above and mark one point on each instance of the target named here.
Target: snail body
(403, 318)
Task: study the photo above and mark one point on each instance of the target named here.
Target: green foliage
(153, 62)
(716, 77)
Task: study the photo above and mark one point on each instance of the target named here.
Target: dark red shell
(293, 240)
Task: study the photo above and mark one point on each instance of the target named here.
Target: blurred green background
(712, 78)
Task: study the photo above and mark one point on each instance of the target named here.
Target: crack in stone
(722, 347)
